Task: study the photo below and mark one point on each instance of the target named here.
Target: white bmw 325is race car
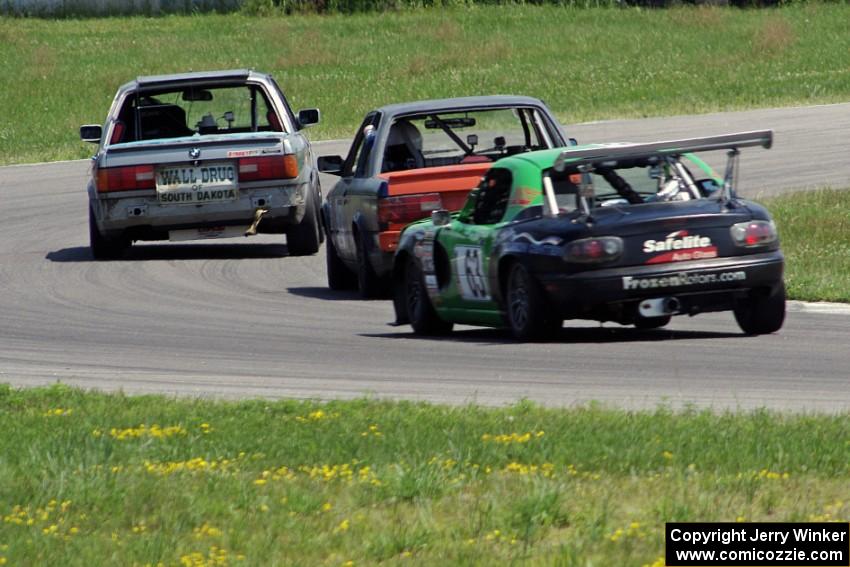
(199, 156)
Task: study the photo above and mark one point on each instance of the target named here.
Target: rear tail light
(594, 250)
(754, 233)
(268, 167)
(129, 178)
(407, 208)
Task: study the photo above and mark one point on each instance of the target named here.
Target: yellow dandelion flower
(327, 507)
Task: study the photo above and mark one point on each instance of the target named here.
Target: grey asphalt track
(237, 318)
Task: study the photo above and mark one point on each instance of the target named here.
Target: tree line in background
(77, 8)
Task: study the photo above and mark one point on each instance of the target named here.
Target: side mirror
(330, 164)
(308, 117)
(441, 217)
(91, 133)
(572, 141)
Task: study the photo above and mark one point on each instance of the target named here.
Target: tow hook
(659, 307)
(258, 216)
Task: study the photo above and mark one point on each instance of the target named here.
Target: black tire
(303, 238)
(528, 312)
(763, 312)
(652, 322)
(420, 312)
(102, 247)
(368, 282)
(339, 276)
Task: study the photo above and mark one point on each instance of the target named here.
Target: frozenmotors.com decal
(682, 279)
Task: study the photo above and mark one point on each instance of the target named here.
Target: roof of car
(458, 103)
(195, 76)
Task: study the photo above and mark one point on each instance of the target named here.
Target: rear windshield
(198, 110)
(471, 136)
(637, 182)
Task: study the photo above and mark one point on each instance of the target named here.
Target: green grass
(813, 226)
(586, 63)
(96, 479)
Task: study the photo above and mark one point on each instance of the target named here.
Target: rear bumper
(699, 286)
(141, 216)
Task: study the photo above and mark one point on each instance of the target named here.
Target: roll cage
(675, 177)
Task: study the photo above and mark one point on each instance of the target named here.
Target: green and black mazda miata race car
(631, 233)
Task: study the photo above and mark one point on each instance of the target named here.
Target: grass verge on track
(813, 226)
(586, 63)
(97, 479)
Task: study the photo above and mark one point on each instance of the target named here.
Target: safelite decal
(680, 246)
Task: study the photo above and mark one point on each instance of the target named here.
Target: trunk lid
(661, 233)
(177, 150)
(452, 182)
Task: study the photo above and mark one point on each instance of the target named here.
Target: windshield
(636, 182)
(195, 111)
(473, 136)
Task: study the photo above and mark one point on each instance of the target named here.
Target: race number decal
(472, 279)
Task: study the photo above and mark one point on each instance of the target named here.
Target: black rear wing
(578, 158)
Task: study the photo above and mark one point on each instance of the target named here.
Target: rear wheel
(528, 312)
(102, 247)
(652, 322)
(368, 282)
(423, 318)
(303, 238)
(763, 312)
(339, 276)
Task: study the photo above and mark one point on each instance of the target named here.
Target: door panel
(469, 245)
(468, 248)
(347, 195)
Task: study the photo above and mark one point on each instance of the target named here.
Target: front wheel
(421, 314)
(370, 285)
(102, 247)
(303, 238)
(339, 276)
(528, 313)
(763, 312)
